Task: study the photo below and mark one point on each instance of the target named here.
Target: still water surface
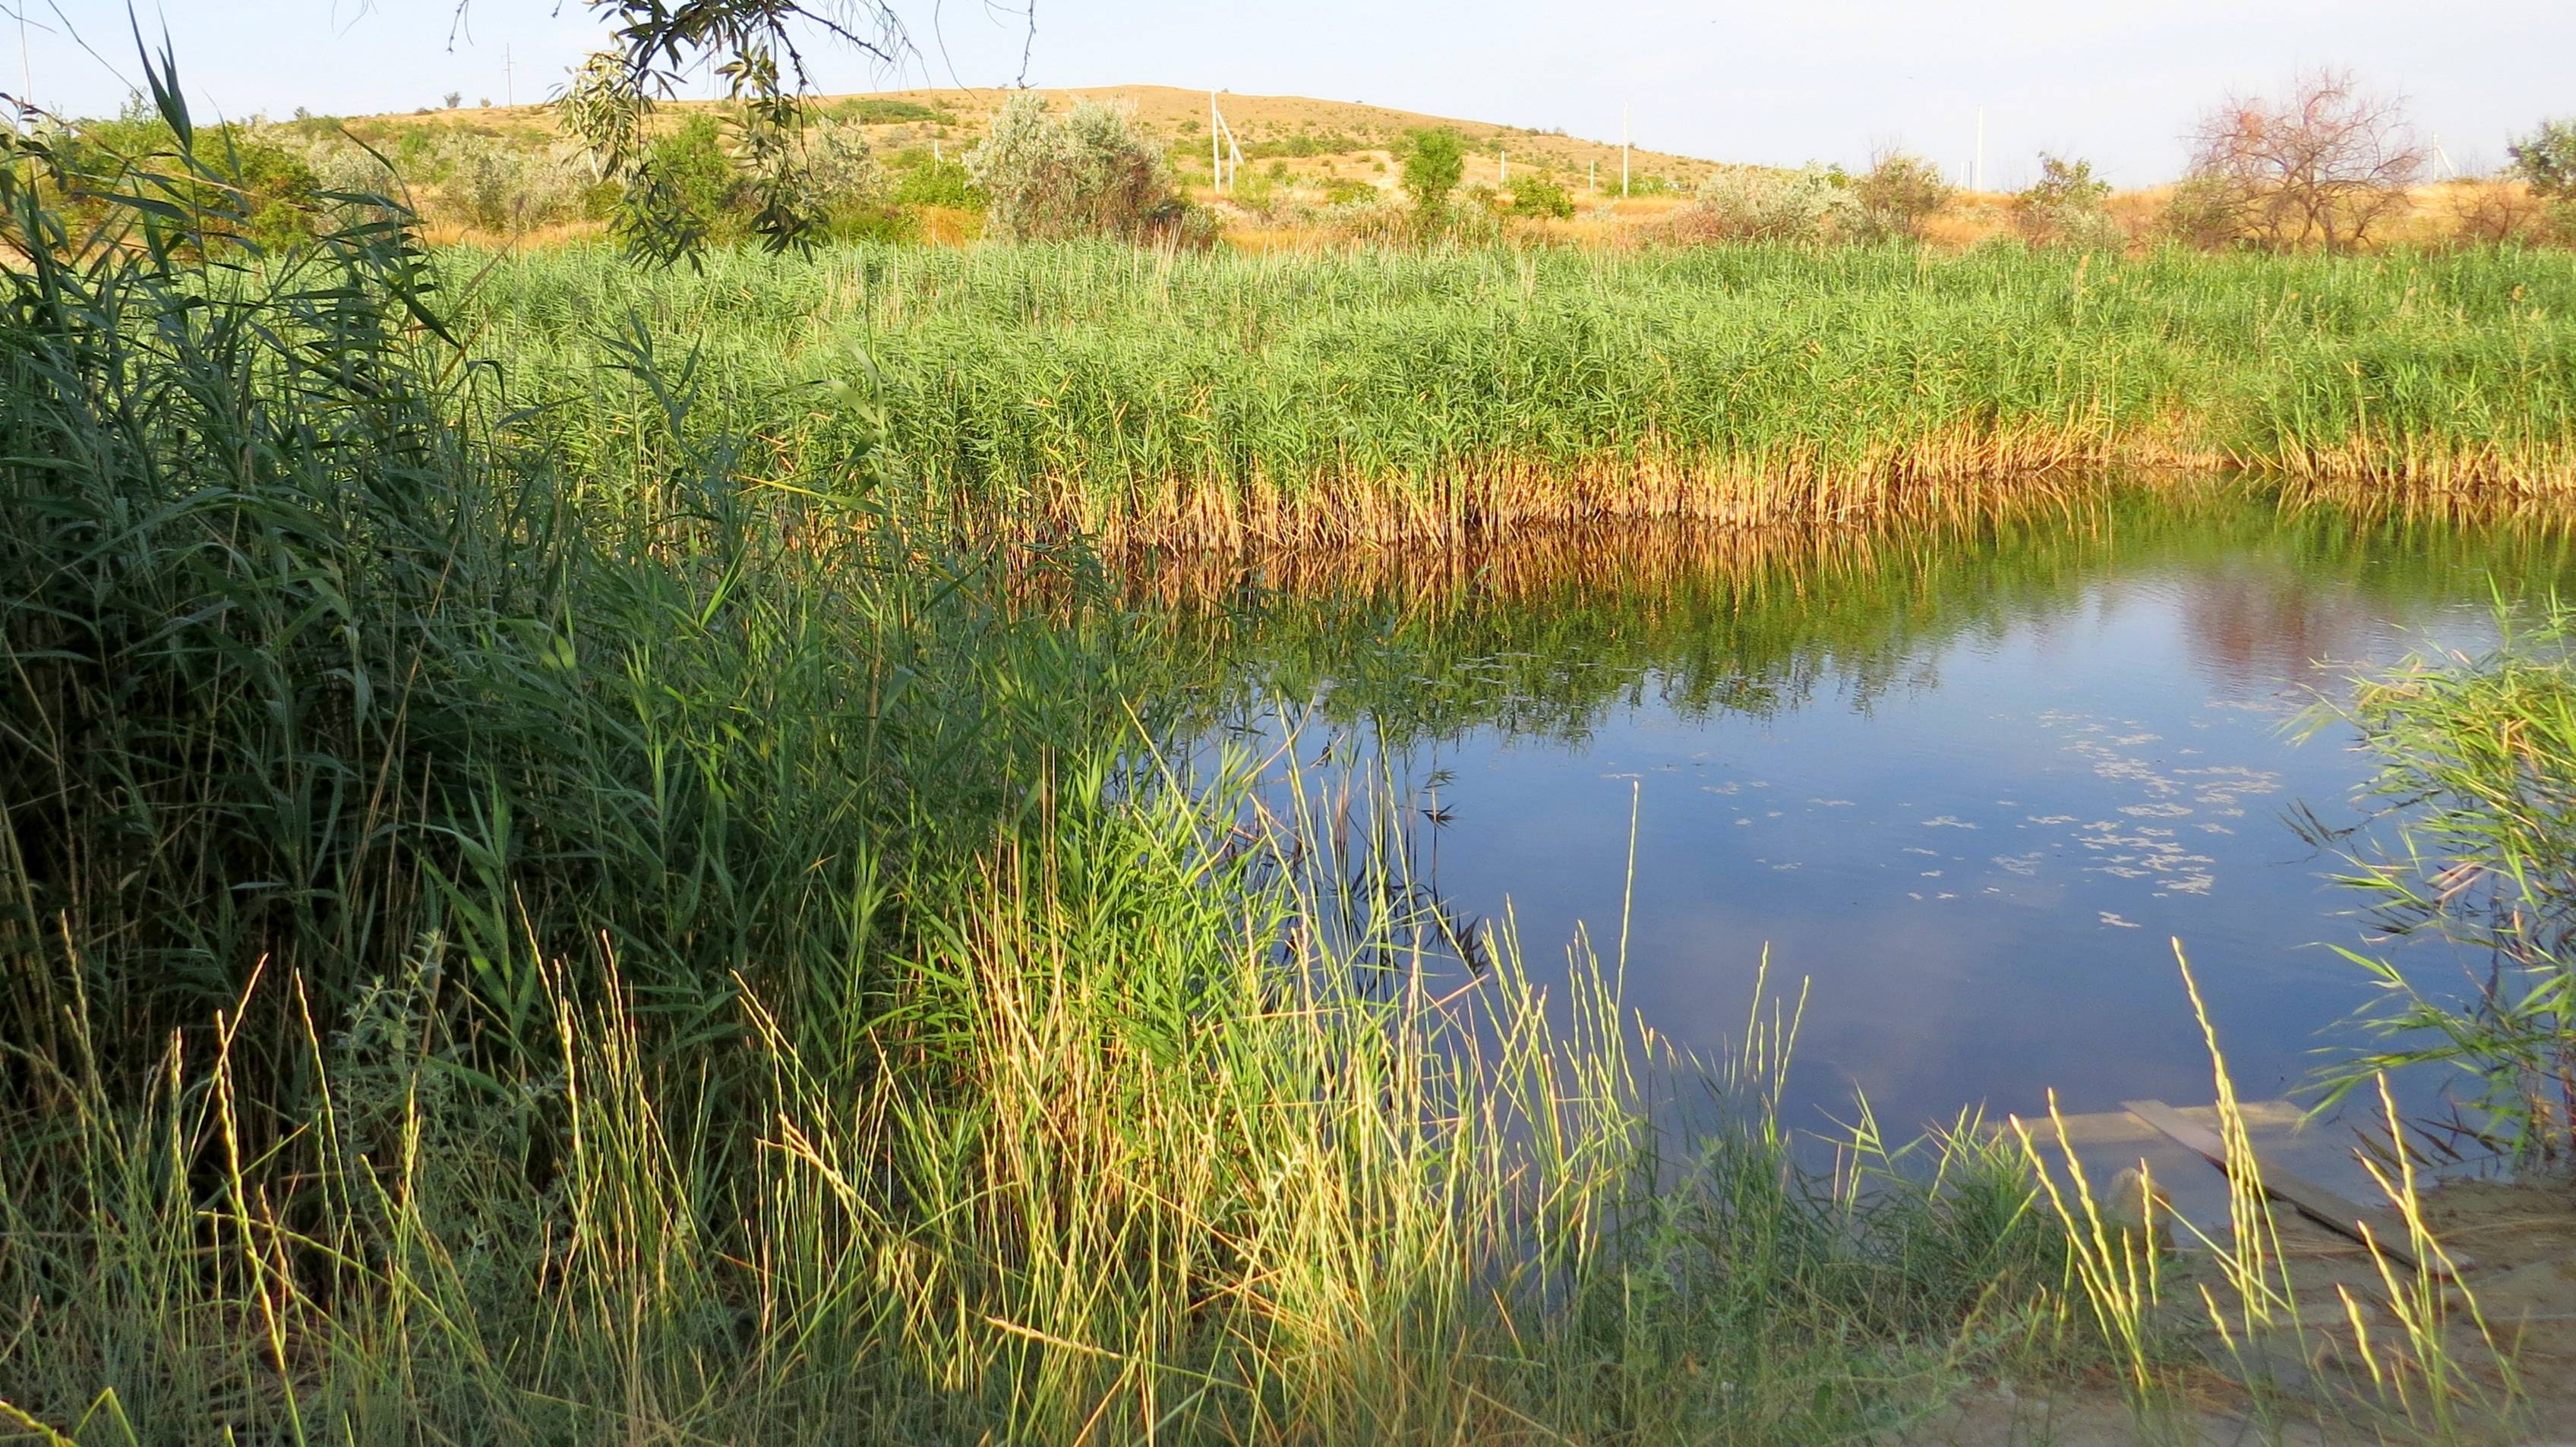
(1971, 783)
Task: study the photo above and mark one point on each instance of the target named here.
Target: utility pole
(1977, 172)
(1623, 149)
(1225, 154)
(509, 79)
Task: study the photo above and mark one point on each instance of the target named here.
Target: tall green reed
(1386, 394)
(2475, 796)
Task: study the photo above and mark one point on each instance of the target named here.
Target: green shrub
(1344, 191)
(833, 169)
(1088, 173)
(1435, 160)
(1299, 145)
(1897, 195)
(688, 187)
(266, 198)
(2204, 212)
(344, 170)
(1746, 204)
(922, 179)
(1539, 194)
(2064, 207)
(867, 110)
(2545, 160)
(503, 187)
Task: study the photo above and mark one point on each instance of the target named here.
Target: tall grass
(542, 924)
(1377, 395)
(506, 943)
(2402, 1351)
(2476, 788)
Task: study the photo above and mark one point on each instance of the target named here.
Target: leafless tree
(2496, 212)
(2322, 167)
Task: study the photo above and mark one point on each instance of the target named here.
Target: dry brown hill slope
(1310, 138)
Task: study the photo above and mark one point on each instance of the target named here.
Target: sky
(2114, 81)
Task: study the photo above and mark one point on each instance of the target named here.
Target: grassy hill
(1289, 137)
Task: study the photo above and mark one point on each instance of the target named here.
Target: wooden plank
(2119, 1127)
(2311, 1200)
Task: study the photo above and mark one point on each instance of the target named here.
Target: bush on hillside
(836, 177)
(2205, 213)
(924, 179)
(1811, 204)
(1435, 161)
(1089, 172)
(687, 193)
(1897, 194)
(2066, 207)
(880, 110)
(501, 187)
(1345, 191)
(1300, 146)
(2545, 160)
(2497, 211)
(267, 199)
(1541, 195)
(344, 171)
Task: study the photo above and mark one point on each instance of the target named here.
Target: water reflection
(1972, 780)
(2252, 627)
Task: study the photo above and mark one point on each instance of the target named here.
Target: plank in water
(2313, 1201)
(2118, 1127)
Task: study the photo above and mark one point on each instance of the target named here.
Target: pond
(1970, 782)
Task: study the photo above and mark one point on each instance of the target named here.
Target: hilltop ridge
(1297, 137)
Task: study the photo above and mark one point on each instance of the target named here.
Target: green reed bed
(1377, 394)
(2476, 781)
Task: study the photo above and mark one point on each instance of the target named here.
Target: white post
(509, 80)
(1225, 156)
(1977, 173)
(1503, 173)
(1623, 148)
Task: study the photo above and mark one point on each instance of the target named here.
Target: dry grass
(1937, 476)
(450, 232)
(2441, 214)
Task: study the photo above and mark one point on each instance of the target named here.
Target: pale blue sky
(2115, 80)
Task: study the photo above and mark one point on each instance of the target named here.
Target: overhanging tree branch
(758, 47)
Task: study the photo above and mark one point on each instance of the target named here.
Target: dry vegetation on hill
(1316, 137)
(1321, 172)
